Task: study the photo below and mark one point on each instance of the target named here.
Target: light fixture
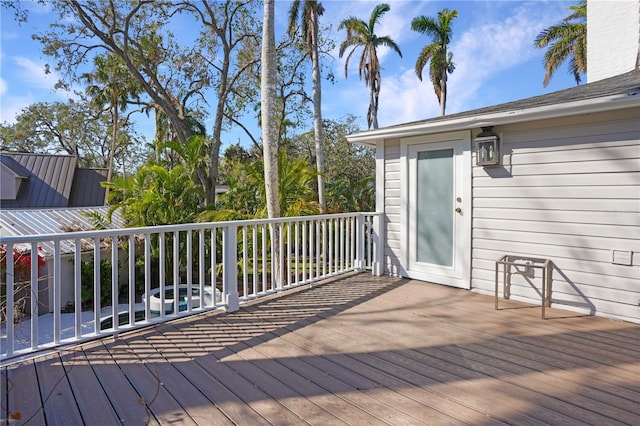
(487, 148)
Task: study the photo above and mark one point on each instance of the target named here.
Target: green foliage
(349, 168)
(97, 220)
(567, 40)
(440, 61)
(72, 128)
(246, 196)
(87, 283)
(362, 34)
(156, 195)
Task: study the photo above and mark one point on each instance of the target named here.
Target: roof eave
(585, 106)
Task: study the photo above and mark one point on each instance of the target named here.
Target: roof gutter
(585, 106)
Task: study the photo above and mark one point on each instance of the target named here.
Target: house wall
(612, 24)
(570, 192)
(393, 208)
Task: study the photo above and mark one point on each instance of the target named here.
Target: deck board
(93, 403)
(59, 401)
(24, 402)
(353, 350)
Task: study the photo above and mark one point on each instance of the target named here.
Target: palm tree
(268, 109)
(440, 61)
(111, 85)
(361, 34)
(311, 10)
(566, 40)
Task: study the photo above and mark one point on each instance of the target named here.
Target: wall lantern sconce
(487, 148)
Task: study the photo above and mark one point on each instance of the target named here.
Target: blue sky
(492, 46)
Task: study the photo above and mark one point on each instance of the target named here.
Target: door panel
(434, 195)
(438, 212)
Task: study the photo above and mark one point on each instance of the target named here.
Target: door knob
(458, 210)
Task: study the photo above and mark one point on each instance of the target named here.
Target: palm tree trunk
(268, 105)
(317, 111)
(373, 109)
(270, 134)
(112, 151)
(443, 94)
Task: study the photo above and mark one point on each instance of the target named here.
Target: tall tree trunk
(317, 110)
(443, 92)
(373, 107)
(270, 134)
(268, 114)
(112, 151)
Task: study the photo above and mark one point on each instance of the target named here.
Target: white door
(439, 211)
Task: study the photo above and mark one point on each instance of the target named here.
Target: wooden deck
(356, 350)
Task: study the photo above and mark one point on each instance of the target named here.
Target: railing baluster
(318, 254)
(311, 251)
(214, 266)
(297, 259)
(132, 281)
(77, 287)
(289, 254)
(201, 271)
(229, 267)
(189, 269)
(255, 260)
(304, 251)
(10, 299)
(34, 298)
(96, 285)
(245, 264)
(264, 258)
(280, 282)
(162, 264)
(330, 239)
(368, 239)
(114, 283)
(147, 276)
(352, 243)
(176, 273)
(273, 244)
(56, 290)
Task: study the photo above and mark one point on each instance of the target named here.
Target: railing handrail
(106, 233)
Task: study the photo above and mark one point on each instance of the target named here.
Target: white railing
(82, 281)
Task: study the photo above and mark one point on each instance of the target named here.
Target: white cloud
(404, 99)
(34, 74)
(11, 106)
(3, 86)
(481, 52)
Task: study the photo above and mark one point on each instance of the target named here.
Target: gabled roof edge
(584, 106)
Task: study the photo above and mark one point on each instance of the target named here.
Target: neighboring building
(566, 187)
(30, 181)
(14, 222)
(49, 194)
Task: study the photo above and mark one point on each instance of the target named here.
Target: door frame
(460, 275)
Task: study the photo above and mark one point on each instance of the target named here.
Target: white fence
(142, 276)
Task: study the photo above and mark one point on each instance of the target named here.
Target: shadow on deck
(354, 350)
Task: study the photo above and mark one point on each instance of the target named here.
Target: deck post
(230, 268)
(378, 245)
(359, 262)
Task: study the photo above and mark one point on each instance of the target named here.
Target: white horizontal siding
(392, 207)
(569, 191)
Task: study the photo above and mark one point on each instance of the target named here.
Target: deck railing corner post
(359, 263)
(230, 268)
(378, 245)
